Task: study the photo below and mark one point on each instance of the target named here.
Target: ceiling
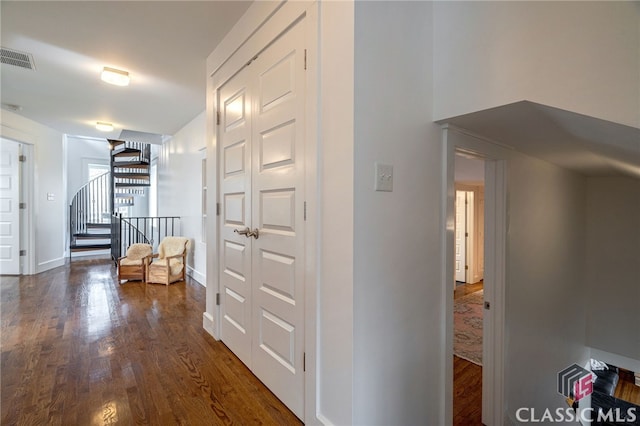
(577, 142)
(162, 44)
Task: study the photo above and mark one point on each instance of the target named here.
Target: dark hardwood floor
(78, 348)
(627, 389)
(467, 379)
(467, 393)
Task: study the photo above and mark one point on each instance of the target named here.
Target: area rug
(467, 320)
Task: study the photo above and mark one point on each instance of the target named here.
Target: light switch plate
(384, 177)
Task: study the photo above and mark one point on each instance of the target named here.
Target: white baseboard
(323, 420)
(201, 278)
(209, 324)
(50, 264)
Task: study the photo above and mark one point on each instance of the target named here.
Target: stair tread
(131, 185)
(92, 236)
(98, 225)
(127, 152)
(132, 175)
(78, 247)
(131, 164)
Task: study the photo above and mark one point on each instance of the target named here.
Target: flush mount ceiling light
(104, 127)
(114, 76)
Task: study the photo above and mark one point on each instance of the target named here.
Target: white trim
(50, 264)
(495, 158)
(209, 324)
(252, 20)
(311, 230)
(196, 275)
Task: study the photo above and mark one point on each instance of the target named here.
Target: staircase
(130, 163)
(89, 216)
(92, 208)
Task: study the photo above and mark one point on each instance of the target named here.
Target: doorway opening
(468, 289)
(494, 158)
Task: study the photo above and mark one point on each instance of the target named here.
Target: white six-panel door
(262, 194)
(235, 195)
(9, 207)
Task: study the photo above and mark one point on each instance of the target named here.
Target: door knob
(255, 233)
(246, 232)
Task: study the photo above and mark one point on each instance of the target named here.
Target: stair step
(126, 152)
(88, 235)
(86, 247)
(141, 176)
(131, 185)
(98, 225)
(131, 164)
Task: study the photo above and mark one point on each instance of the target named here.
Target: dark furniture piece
(607, 380)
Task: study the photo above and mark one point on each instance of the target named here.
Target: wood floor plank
(77, 347)
(467, 378)
(467, 393)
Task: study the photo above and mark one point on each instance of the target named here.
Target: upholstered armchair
(169, 264)
(133, 266)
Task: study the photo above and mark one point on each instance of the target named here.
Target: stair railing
(90, 205)
(149, 230)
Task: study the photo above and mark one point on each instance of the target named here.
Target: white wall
(545, 281)
(180, 186)
(613, 265)
(578, 56)
(49, 215)
(80, 152)
(335, 295)
(397, 301)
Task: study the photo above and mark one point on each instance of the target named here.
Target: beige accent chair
(169, 264)
(133, 266)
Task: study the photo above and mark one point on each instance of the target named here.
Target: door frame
(27, 190)
(256, 30)
(495, 157)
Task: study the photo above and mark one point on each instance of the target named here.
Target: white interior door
(470, 234)
(9, 207)
(278, 213)
(262, 196)
(460, 237)
(235, 181)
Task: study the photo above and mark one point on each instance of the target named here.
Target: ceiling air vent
(17, 58)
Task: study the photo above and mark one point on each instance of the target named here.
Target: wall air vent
(17, 58)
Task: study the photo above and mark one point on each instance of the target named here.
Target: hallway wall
(398, 290)
(545, 304)
(613, 265)
(180, 188)
(578, 56)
